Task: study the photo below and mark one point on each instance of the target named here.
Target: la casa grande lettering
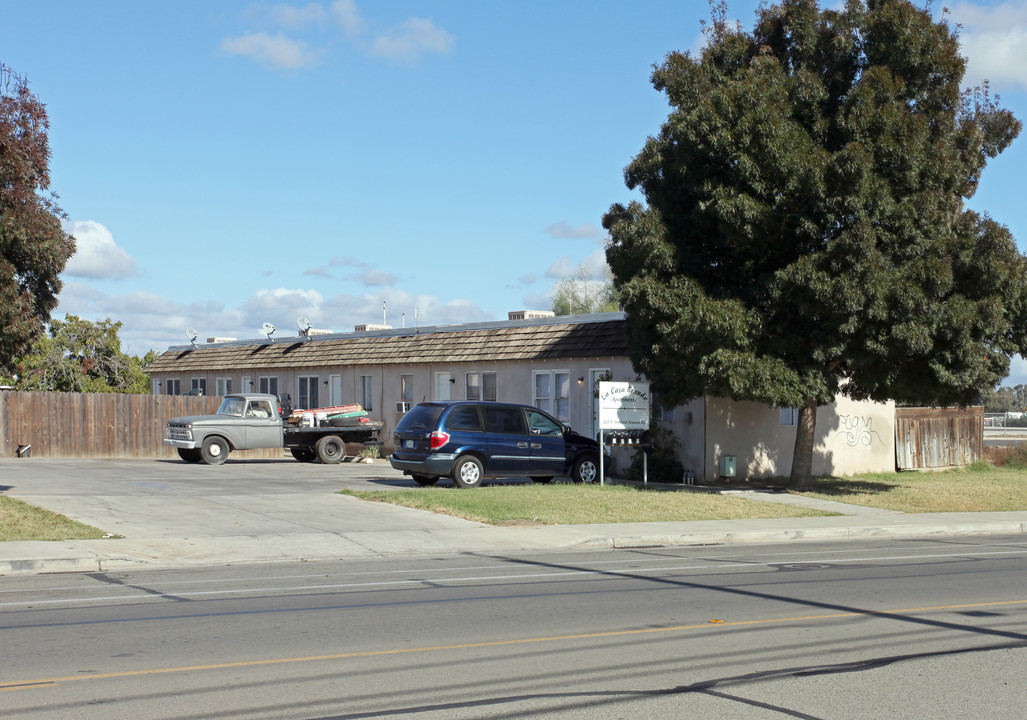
(629, 394)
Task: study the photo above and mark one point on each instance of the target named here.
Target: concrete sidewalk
(175, 516)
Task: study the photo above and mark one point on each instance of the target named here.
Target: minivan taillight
(438, 439)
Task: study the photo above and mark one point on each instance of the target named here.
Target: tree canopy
(583, 293)
(804, 232)
(81, 356)
(34, 247)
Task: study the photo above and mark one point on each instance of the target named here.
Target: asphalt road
(900, 629)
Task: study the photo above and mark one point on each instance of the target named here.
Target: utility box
(727, 466)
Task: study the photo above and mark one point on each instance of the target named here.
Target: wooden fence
(927, 438)
(97, 425)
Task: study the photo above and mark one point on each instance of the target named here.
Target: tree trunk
(801, 478)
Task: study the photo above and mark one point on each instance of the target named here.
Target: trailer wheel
(214, 450)
(330, 449)
(303, 454)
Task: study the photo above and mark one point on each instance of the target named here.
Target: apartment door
(442, 384)
(334, 390)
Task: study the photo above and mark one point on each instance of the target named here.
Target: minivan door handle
(522, 444)
(536, 446)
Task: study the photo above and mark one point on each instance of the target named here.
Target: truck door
(263, 429)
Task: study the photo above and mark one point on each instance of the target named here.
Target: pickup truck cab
(247, 421)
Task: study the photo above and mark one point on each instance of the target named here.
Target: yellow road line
(52, 682)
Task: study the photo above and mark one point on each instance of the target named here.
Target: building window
(224, 386)
(660, 413)
(406, 388)
(552, 390)
(481, 386)
(199, 385)
(269, 385)
(367, 392)
(789, 416)
(172, 386)
(307, 391)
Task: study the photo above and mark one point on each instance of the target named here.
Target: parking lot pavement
(169, 513)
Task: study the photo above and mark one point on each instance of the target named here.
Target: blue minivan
(470, 441)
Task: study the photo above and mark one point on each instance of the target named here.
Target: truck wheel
(586, 469)
(468, 472)
(190, 455)
(330, 449)
(425, 479)
(214, 450)
(303, 454)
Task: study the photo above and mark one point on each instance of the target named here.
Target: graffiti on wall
(857, 431)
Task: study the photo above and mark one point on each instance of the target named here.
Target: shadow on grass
(830, 485)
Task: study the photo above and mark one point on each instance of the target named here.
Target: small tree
(584, 292)
(82, 356)
(805, 233)
(33, 246)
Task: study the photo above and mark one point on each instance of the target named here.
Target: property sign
(623, 406)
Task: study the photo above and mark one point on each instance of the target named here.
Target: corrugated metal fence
(927, 438)
(97, 425)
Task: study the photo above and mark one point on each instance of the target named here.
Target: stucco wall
(851, 437)
(514, 384)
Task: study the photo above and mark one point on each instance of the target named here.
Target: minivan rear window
(420, 417)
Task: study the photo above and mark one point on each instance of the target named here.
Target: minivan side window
(505, 420)
(463, 417)
(542, 424)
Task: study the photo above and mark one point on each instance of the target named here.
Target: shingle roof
(517, 340)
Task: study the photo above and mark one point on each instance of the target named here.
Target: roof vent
(530, 314)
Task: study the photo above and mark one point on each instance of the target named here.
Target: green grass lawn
(570, 504)
(21, 521)
(980, 487)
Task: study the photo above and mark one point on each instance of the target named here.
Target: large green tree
(34, 247)
(804, 232)
(77, 355)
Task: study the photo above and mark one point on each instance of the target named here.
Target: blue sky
(226, 164)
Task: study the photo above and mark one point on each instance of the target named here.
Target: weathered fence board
(927, 438)
(98, 425)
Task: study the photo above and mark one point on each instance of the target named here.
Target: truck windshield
(232, 406)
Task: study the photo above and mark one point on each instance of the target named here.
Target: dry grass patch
(978, 488)
(569, 504)
(21, 521)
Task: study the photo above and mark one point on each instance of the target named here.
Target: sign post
(623, 406)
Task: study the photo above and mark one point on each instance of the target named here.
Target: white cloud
(560, 269)
(319, 271)
(96, 254)
(563, 230)
(152, 322)
(372, 277)
(348, 17)
(290, 16)
(278, 51)
(408, 42)
(994, 41)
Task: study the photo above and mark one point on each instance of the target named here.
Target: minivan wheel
(425, 479)
(585, 469)
(468, 472)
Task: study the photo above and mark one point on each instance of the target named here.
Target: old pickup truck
(248, 421)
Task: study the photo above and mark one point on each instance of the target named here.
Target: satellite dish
(192, 335)
(304, 324)
(269, 330)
